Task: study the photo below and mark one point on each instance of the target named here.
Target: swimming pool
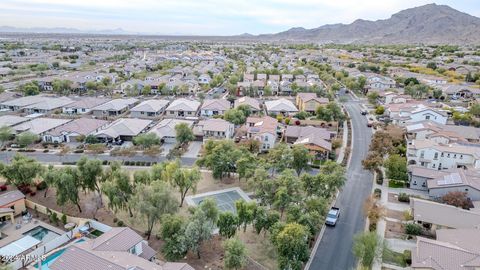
(42, 234)
(52, 257)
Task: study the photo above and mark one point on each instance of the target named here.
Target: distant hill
(62, 30)
(428, 24)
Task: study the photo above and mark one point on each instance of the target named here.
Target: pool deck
(10, 234)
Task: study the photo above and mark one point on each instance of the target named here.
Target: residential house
(151, 108)
(12, 203)
(214, 129)
(438, 215)
(18, 104)
(11, 120)
(454, 249)
(84, 105)
(280, 106)
(443, 133)
(40, 125)
(123, 129)
(120, 248)
(72, 131)
(263, 129)
(377, 82)
(48, 105)
(115, 107)
(404, 113)
(252, 103)
(433, 155)
(309, 102)
(211, 107)
(165, 129)
(183, 108)
(316, 140)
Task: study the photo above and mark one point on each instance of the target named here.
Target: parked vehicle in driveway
(332, 216)
(364, 112)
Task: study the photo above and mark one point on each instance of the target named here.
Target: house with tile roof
(120, 248)
(280, 106)
(122, 129)
(182, 107)
(114, 107)
(211, 107)
(151, 108)
(72, 131)
(252, 103)
(214, 129)
(263, 129)
(165, 129)
(309, 102)
(84, 105)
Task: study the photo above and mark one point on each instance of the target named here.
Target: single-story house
(11, 120)
(48, 105)
(212, 107)
(252, 103)
(11, 200)
(114, 107)
(281, 106)
(151, 108)
(123, 129)
(183, 108)
(165, 130)
(40, 125)
(72, 130)
(84, 105)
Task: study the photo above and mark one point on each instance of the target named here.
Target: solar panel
(450, 179)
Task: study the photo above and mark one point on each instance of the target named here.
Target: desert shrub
(377, 192)
(403, 197)
(120, 223)
(413, 229)
(407, 256)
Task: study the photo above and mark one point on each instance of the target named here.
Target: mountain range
(428, 24)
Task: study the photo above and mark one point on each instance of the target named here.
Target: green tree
(146, 140)
(281, 157)
(330, 112)
(291, 243)
(153, 201)
(227, 224)
(90, 172)
(235, 254)
(91, 139)
(220, 157)
(185, 180)
(25, 139)
(142, 177)
(31, 89)
(245, 212)
(118, 188)
(184, 133)
(235, 116)
(301, 157)
(173, 233)
(68, 187)
(432, 65)
(5, 135)
(396, 167)
(199, 228)
(380, 110)
(372, 98)
(246, 165)
(475, 109)
(367, 247)
(22, 170)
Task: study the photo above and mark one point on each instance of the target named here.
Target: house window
(427, 117)
(433, 165)
(454, 155)
(422, 154)
(461, 156)
(142, 112)
(132, 250)
(435, 156)
(448, 155)
(441, 154)
(414, 183)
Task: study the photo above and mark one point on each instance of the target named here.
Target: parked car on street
(332, 216)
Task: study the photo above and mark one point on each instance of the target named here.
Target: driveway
(193, 149)
(166, 147)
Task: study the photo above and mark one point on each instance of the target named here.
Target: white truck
(332, 216)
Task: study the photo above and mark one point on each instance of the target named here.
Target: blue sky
(205, 17)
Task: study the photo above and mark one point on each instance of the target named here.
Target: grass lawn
(392, 257)
(396, 184)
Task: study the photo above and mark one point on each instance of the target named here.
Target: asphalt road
(335, 249)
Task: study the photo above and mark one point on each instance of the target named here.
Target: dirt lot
(395, 214)
(395, 230)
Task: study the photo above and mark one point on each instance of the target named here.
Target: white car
(332, 216)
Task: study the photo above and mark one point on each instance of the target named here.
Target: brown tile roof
(302, 131)
(11, 196)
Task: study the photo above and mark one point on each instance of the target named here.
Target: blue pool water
(52, 257)
(42, 234)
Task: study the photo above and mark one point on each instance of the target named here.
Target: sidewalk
(341, 154)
